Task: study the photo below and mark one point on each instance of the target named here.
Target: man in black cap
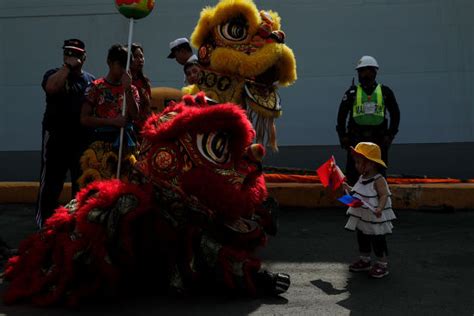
(63, 137)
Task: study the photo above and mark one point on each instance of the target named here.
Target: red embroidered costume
(193, 214)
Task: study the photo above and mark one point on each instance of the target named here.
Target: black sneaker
(273, 283)
(6, 251)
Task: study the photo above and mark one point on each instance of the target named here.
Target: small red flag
(330, 174)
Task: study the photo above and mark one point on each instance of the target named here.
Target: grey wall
(452, 160)
(425, 49)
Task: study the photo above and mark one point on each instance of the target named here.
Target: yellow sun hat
(370, 151)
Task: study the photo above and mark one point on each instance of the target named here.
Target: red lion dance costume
(194, 211)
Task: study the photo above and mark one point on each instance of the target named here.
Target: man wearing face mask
(63, 138)
(368, 113)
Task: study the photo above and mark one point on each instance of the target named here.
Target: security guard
(362, 115)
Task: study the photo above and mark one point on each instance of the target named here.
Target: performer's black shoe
(6, 251)
(273, 283)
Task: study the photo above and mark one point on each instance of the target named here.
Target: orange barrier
(293, 178)
(290, 178)
(429, 196)
(421, 180)
(27, 192)
(311, 195)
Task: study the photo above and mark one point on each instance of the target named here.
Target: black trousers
(60, 153)
(377, 243)
(351, 172)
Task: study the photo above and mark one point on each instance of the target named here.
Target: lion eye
(214, 147)
(234, 30)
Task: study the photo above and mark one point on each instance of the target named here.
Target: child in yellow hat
(373, 220)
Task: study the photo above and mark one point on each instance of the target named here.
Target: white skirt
(363, 219)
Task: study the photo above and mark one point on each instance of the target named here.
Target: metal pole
(124, 105)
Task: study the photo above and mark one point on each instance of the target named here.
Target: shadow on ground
(431, 261)
(431, 270)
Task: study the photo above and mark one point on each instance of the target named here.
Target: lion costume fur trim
(223, 11)
(224, 117)
(227, 60)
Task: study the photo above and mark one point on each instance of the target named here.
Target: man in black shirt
(362, 115)
(63, 136)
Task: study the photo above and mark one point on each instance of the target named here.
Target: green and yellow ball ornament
(135, 9)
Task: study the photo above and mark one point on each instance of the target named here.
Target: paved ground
(432, 270)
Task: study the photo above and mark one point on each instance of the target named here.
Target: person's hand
(118, 121)
(387, 140)
(378, 212)
(127, 80)
(345, 142)
(346, 187)
(73, 61)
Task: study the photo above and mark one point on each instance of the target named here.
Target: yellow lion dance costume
(243, 60)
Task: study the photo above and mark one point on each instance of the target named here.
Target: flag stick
(124, 105)
(362, 199)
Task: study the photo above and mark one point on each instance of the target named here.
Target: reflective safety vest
(369, 109)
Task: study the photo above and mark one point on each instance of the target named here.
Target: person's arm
(394, 112)
(341, 127)
(145, 99)
(131, 96)
(56, 82)
(133, 100)
(381, 187)
(89, 120)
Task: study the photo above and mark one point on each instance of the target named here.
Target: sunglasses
(73, 53)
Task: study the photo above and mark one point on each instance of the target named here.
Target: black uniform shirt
(63, 109)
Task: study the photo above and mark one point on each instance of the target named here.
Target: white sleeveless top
(364, 219)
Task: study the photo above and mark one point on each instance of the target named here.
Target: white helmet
(367, 61)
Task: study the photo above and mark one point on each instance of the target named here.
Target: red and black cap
(74, 44)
